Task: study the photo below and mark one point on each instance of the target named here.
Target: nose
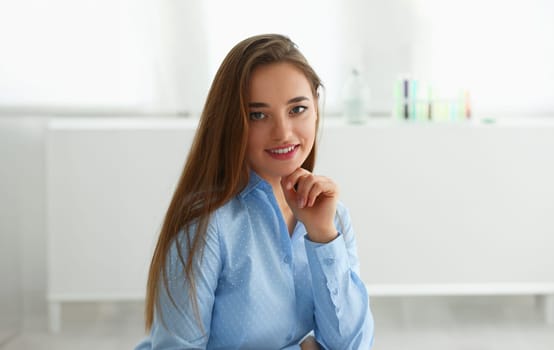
(281, 128)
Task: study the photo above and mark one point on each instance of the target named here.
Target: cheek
(254, 141)
(308, 130)
(250, 146)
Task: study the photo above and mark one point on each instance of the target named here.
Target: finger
(321, 187)
(289, 192)
(292, 179)
(305, 184)
(290, 186)
(315, 191)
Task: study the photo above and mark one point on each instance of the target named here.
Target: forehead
(278, 81)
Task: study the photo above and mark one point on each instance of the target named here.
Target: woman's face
(282, 125)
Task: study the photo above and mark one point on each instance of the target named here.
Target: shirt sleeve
(176, 326)
(342, 316)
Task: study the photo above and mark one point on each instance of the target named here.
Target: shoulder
(226, 220)
(229, 212)
(218, 219)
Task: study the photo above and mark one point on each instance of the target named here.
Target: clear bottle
(354, 98)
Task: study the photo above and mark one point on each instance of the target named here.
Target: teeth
(282, 150)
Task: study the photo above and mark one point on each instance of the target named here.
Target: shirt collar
(255, 181)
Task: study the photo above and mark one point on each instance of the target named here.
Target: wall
(161, 56)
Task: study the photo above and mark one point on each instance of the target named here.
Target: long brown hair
(217, 168)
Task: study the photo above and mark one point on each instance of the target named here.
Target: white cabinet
(108, 186)
(451, 208)
(438, 209)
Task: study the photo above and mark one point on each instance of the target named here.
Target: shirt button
(287, 259)
(329, 261)
(335, 291)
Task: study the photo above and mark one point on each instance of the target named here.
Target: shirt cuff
(330, 256)
(328, 264)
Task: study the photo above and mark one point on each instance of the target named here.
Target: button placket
(287, 259)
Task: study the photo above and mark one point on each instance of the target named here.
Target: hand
(309, 344)
(313, 201)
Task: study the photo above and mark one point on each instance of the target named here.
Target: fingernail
(301, 202)
(289, 185)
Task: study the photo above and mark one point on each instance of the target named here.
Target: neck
(288, 216)
(278, 192)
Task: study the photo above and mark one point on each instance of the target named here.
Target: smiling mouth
(283, 150)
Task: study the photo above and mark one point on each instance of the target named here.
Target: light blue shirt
(259, 288)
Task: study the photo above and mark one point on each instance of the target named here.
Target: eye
(257, 116)
(298, 109)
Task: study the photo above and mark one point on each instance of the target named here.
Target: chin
(289, 169)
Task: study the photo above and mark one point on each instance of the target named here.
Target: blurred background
(160, 56)
(444, 109)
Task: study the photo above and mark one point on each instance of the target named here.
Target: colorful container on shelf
(417, 100)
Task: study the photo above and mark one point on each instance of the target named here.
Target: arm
(341, 303)
(175, 325)
(342, 316)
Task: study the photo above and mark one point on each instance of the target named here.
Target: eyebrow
(292, 100)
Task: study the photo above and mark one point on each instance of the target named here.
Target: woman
(255, 251)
